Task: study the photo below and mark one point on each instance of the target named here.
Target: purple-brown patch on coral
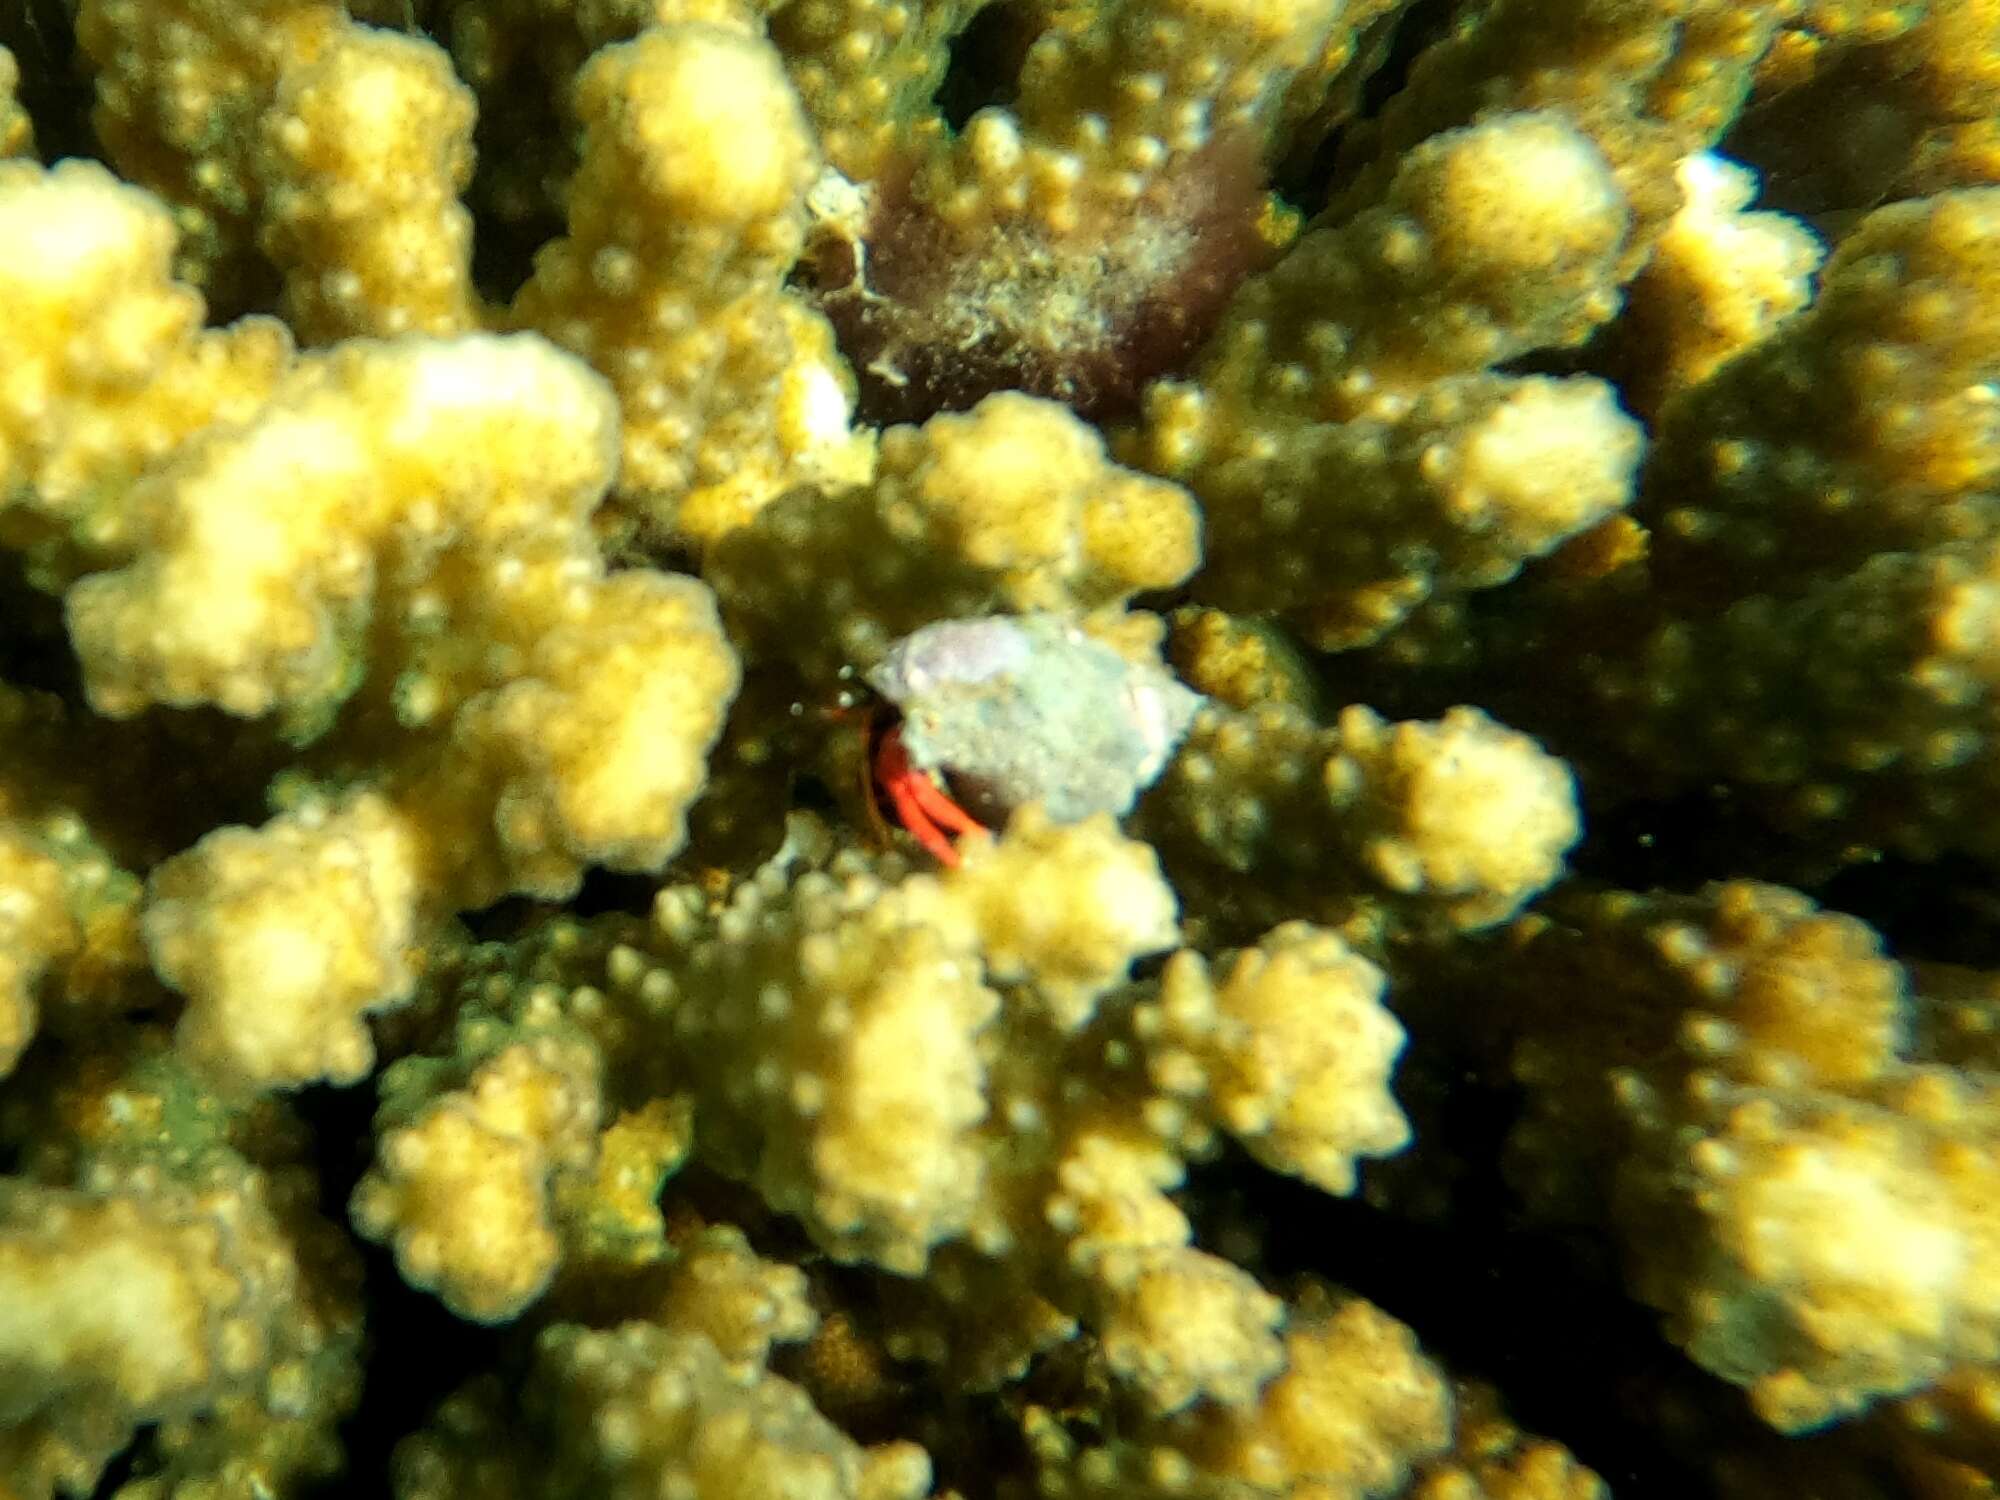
(934, 319)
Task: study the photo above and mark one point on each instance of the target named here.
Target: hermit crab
(986, 714)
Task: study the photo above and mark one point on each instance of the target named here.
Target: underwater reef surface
(999, 749)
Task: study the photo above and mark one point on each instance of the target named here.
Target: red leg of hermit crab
(920, 804)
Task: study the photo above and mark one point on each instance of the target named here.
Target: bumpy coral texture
(165, 1267)
(1358, 361)
(671, 279)
(464, 466)
(1013, 506)
(1811, 1208)
(1819, 516)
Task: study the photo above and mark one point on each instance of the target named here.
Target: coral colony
(850, 749)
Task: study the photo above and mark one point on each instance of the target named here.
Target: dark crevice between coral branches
(127, 1466)
(1678, 843)
(1945, 910)
(1835, 145)
(1383, 55)
(417, 1352)
(55, 88)
(524, 151)
(985, 62)
(503, 248)
(1521, 1310)
(34, 641)
(602, 891)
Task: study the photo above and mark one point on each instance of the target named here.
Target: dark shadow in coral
(1946, 910)
(1309, 173)
(55, 88)
(417, 1352)
(985, 62)
(603, 891)
(1519, 1309)
(34, 641)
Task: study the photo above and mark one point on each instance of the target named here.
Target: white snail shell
(1027, 708)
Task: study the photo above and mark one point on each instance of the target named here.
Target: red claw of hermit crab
(921, 806)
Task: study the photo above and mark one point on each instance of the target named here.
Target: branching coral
(639, 1411)
(1926, 72)
(512, 460)
(163, 1266)
(1444, 826)
(67, 923)
(1811, 1209)
(785, 1016)
(1357, 362)
(1012, 506)
(1356, 1407)
(1284, 1052)
(466, 1182)
(540, 714)
(107, 366)
(687, 211)
(1720, 279)
(1647, 81)
(363, 155)
(1809, 611)
(181, 88)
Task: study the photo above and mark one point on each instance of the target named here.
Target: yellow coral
(35, 931)
(1492, 1459)
(1812, 1212)
(364, 154)
(464, 1188)
(811, 1006)
(1069, 906)
(83, 1278)
(254, 545)
(164, 1289)
(1290, 1052)
(685, 215)
(1456, 822)
(1180, 1326)
(1721, 278)
(1355, 1407)
(1029, 163)
(1863, 1235)
(1856, 695)
(284, 937)
(562, 719)
(640, 1411)
(1351, 460)
(181, 86)
(1647, 81)
(409, 593)
(866, 73)
(104, 365)
(741, 1303)
(67, 926)
(1241, 662)
(1013, 505)
(1915, 287)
